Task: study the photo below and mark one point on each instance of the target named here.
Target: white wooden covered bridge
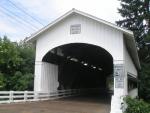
(80, 51)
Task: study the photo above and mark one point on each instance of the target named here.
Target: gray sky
(17, 25)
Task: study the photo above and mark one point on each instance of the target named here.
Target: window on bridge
(132, 82)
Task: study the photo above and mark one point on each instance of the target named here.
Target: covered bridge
(80, 51)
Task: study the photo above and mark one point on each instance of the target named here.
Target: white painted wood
(92, 32)
(127, 33)
(133, 93)
(74, 11)
(116, 104)
(27, 96)
(129, 65)
(46, 77)
(37, 76)
(129, 68)
(49, 79)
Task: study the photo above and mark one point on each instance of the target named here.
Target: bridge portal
(80, 51)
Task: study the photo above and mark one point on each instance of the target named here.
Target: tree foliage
(136, 17)
(16, 65)
(144, 81)
(9, 56)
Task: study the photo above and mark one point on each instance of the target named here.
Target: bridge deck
(67, 105)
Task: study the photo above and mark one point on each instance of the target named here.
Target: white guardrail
(24, 96)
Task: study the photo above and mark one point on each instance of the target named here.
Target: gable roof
(128, 34)
(33, 36)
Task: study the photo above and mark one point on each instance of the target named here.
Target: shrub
(136, 106)
(2, 81)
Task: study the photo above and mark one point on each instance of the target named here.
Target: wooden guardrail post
(11, 96)
(36, 96)
(25, 95)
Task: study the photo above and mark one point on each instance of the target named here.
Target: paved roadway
(86, 104)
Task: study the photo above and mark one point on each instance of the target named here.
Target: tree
(27, 53)
(144, 81)
(2, 82)
(9, 56)
(136, 17)
(16, 65)
(9, 60)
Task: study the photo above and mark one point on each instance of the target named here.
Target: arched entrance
(79, 66)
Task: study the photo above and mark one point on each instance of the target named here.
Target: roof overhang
(74, 11)
(128, 34)
(132, 48)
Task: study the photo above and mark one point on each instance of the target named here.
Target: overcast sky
(16, 24)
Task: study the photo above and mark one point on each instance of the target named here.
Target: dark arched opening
(81, 66)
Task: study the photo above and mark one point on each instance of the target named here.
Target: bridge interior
(82, 66)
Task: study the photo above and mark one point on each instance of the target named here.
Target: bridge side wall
(48, 81)
(129, 65)
(130, 69)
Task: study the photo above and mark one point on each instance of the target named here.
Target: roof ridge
(73, 10)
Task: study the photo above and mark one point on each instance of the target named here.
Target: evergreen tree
(136, 17)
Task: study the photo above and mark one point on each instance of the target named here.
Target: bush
(22, 82)
(16, 65)
(2, 82)
(136, 106)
